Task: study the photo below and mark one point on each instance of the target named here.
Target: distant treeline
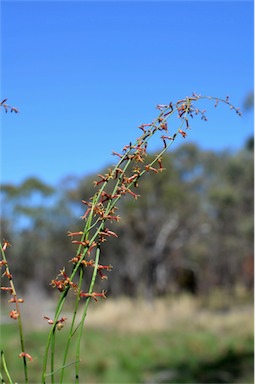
(191, 229)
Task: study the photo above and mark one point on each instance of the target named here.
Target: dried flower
(184, 134)
(6, 244)
(94, 295)
(23, 354)
(14, 314)
(59, 324)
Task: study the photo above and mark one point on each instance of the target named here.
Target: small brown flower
(184, 134)
(24, 354)
(14, 314)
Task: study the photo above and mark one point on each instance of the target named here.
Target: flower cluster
(58, 324)
(62, 282)
(122, 180)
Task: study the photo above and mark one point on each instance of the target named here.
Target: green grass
(187, 355)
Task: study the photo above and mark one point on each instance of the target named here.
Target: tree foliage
(193, 228)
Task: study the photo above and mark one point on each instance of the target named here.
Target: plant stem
(92, 283)
(71, 333)
(5, 369)
(14, 294)
(98, 213)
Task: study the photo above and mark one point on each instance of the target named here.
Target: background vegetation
(171, 341)
(192, 229)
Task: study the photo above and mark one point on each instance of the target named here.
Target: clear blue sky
(85, 74)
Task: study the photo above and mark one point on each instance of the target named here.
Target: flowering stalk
(15, 313)
(101, 210)
(121, 180)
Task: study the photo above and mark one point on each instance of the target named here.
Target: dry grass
(166, 314)
(138, 315)
(143, 340)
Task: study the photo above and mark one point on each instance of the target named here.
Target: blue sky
(85, 74)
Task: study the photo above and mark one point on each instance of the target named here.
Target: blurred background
(84, 75)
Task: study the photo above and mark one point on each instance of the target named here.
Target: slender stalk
(53, 339)
(50, 335)
(15, 300)
(92, 283)
(71, 332)
(60, 306)
(89, 225)
(5, 369)
(98, 213)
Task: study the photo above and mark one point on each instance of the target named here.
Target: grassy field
(169, 341)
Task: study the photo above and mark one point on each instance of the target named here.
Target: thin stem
(70, 335)
(5, 369)
(14, 294)
(92, 283)
(53, 339)
(57, 313)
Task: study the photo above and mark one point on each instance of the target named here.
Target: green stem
(70, 335)
(5, 369)
(53, 339)
(22, 344)
(91, 287)
(50, 335)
